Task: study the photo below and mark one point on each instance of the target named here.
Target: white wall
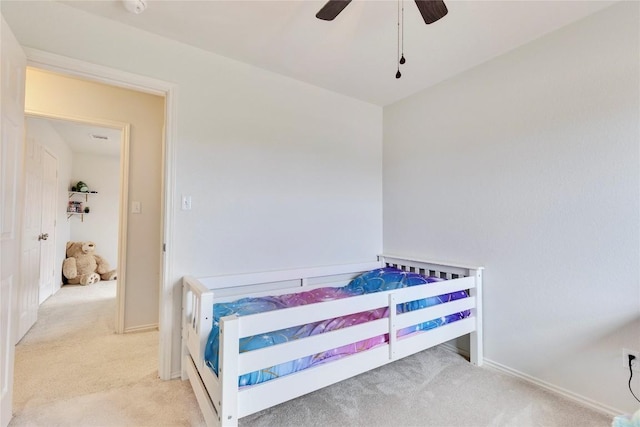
(528, 164)
(102, 174)
(45, 135)
(281, 173)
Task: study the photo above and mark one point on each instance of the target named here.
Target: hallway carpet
(73, 370)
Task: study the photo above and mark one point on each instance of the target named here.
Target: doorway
(140, 118)
(12, 140)
(93, 151)
(86, 152)
(164, 281)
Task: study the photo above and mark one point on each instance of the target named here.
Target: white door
(12, 75)
(38, 244)
(28, 301)
(48, 226)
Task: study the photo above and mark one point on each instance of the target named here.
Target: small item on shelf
(82, 187)
(74, 207)
(86, 209)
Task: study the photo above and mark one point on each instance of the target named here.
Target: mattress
(383, 279)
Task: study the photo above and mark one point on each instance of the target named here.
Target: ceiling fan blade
(330, 10)
(431, 10)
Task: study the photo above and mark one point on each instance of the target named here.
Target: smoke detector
(135, 6)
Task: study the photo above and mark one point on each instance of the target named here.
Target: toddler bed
(274, 336)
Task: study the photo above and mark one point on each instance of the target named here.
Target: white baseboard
(455, 349)
(142, 328)
(596, 406)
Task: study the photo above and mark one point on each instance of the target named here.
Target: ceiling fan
(431, 10)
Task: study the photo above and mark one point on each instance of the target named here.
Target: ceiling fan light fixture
(430, 10)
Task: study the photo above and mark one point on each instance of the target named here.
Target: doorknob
(44, 236)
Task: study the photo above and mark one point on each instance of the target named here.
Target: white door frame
(124, 129)
(114, 77)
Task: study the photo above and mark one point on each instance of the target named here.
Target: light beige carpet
(434, 388)
(72, 370)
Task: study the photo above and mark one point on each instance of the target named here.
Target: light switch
(186, 203)
(136, 208)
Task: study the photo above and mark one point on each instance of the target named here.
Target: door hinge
(164, 247)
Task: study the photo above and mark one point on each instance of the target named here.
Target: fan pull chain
(402, 60)
(398, 73)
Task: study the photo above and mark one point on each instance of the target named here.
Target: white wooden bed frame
(221, 400)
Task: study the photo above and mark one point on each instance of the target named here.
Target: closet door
(48, 225)
(28, 300)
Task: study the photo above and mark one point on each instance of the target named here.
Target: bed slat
(427, 339)
(265, 395)
(429, 290)
(301, 315)
(281, 353)
(434, 312)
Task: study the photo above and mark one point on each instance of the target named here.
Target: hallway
(72, 369)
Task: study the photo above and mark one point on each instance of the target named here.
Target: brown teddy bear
(83, 266)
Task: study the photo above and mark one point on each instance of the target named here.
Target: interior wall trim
(142, 328)
(499, 367)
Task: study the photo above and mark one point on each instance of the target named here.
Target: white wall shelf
(73, 195)
(82, 193)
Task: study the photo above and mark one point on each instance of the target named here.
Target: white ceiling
(78, 137)
(356, 53)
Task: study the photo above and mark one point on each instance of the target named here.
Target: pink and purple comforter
(378, 280)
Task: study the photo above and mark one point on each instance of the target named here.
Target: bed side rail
(233, 328)
(198, 295)
(449, 271)
(259, 323)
